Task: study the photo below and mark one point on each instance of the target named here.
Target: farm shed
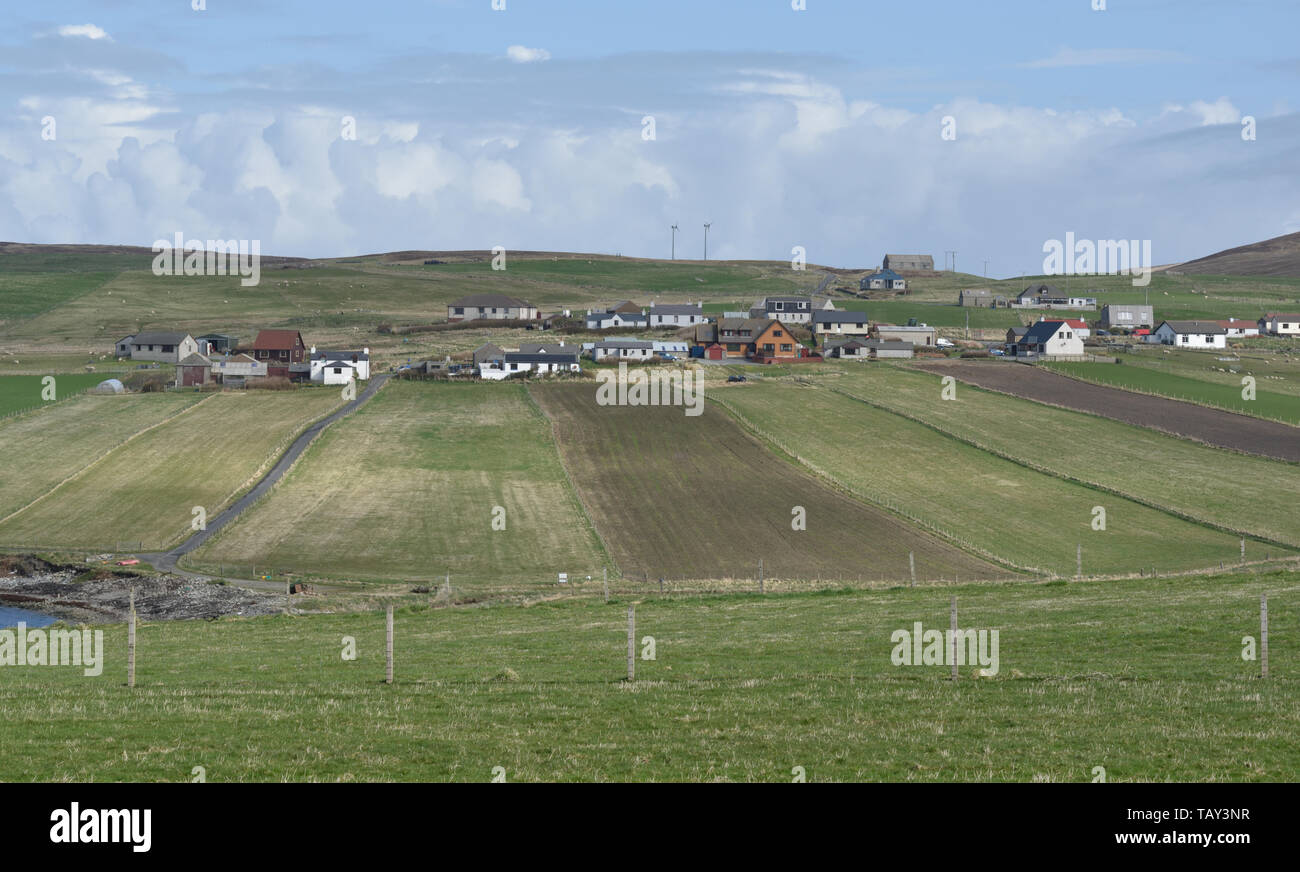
(880, 349)
(909, 262)
(193, 370)
(923, 336)
(220, 343)
(848, 349)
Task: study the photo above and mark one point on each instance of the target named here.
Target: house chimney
(313, 349)
(365, 351)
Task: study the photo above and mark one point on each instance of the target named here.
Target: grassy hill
(1279, 256)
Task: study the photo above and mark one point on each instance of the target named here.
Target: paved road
(167, 562)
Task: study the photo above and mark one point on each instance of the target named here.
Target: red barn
(280, 350)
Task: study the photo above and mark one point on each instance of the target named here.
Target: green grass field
(1236, 491)
(143, 490)
(1027, 518)
(23, 392)
(406, 489)
(47, 446)
(1267, 404)
(1276, 370)
(1144, 678)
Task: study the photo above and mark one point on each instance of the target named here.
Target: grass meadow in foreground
(1144, 678)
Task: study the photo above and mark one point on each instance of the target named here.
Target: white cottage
(1190, 334)
(335, 361)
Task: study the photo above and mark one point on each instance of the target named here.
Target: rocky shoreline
(96, 594)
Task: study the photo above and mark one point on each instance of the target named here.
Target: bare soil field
(699, 498)
(1210, 426)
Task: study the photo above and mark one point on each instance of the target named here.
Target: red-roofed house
(280, 350)
(1238, 327)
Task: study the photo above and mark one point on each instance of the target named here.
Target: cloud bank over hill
(105, 139)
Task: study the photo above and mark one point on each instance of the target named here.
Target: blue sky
(524, 127)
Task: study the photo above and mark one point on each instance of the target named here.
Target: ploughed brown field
(1211, 426)
(699, 498)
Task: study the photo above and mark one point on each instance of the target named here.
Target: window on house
(769, 347)
(777, 333)
(514, 366)
(1183, 339)
(787, 347)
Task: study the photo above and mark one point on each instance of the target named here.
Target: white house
(163, 346)
(885, 279)
(608, 320)
(837, 323)
(673, 315)
(1239, 327)
(518, 363)
(1049, 339)
(790, 310)
(625, 350)
(671, 346)
(335, 361)
(1079, 325)
(1278, 324)
(1190, 334)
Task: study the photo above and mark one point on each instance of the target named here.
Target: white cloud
(89, 31)
(524, 55)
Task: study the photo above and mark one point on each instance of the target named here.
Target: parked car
(944, 343)
(736, 378)
(997, 352)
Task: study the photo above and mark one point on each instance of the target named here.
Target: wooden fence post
(952, 624)
(604, 581)
(760, 575)
(130, 644)
(631, 642)
(1263, 635)
(388, 647)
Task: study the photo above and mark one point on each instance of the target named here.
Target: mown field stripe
(1191, 401)
(579, 503)
(1045, 470)
(98, 460)
(790, 456)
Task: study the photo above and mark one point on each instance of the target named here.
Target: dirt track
(1211, 426)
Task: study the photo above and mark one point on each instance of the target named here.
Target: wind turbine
(674, 257)
(706, 240)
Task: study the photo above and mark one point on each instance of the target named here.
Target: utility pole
(986, 267)
(674, 257)
(706, 240)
